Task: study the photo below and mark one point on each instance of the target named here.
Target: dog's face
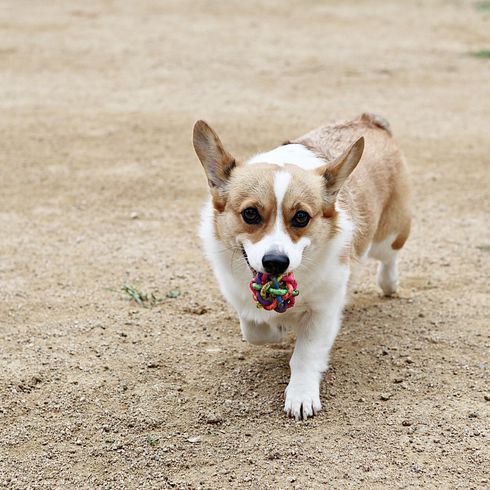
(278, 216)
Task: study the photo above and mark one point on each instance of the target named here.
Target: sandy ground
(100, 187)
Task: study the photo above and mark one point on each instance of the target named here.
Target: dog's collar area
(254, 272)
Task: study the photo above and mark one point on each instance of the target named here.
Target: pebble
(273, 454)
(406, 423)
(194, 439)
(385, 396)
(487, 398)
(214, 419)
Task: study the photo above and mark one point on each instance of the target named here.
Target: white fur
(294, 154)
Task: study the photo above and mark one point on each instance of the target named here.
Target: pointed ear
(217, 162)
(336, 172)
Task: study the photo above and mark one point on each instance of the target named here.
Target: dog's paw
(387, 279)
(302, 401)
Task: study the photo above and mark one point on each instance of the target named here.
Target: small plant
(482, 53)
(175, 293)
(152, 440)
(485, 6)
(141, 298)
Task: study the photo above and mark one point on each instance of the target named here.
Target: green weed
(481, 53)
(141, 298)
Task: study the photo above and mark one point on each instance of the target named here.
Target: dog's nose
(275, 264)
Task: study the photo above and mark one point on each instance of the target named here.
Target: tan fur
(306, 193)
(251, 186)
(376, 195)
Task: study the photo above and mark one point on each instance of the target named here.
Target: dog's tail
(376, 120)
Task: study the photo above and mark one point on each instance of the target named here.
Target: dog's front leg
(309, 360)
(260, 333)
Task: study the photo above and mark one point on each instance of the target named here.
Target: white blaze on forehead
(281, 183)
(293, 154)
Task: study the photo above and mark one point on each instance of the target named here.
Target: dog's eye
(251, 216)
(300, 219)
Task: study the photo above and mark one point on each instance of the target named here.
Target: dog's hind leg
(387, 276)
(260, 333)
(386, 251)
(391, 235)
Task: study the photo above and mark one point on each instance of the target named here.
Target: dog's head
(273, 213)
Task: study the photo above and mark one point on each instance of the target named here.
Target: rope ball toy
(274, 293)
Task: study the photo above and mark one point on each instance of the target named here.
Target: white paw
(389, 288)
(302, 401)
(388, 279)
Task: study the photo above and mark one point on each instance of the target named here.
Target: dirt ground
(100, 187)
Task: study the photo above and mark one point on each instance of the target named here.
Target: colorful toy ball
(274, 293)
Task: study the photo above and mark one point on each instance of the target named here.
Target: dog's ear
(217, 162)
(336, 172)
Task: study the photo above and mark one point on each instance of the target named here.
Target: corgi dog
(313, 206)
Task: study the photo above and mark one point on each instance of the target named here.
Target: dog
(314, 206)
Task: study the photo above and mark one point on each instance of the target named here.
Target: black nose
(275, 264)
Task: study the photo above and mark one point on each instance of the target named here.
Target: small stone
(134, 215)
(385, 396)
(214, 419)
(406, 423)
(78, 442)
(273, 454)
(409, 360)
(487, 398)
(196, 310)
(194, 439)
